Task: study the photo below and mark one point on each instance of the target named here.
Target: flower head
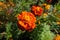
(57, 37)
(26, 21)
(48, 7)
(37, 10)
(3, 5)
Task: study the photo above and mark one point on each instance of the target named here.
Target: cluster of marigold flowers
(27, 20)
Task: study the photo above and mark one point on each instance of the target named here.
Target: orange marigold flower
(37, 10)
(58, 22)
(48, 7)
(57, 37)
(26, 21)
(3, 5)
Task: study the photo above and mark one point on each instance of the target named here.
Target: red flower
(37, 10)
(26, 21)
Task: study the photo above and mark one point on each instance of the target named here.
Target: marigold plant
(26, 21)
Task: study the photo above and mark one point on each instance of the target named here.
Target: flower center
(38, 8)
(27, 18)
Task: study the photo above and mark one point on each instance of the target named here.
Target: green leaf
(8, 28)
